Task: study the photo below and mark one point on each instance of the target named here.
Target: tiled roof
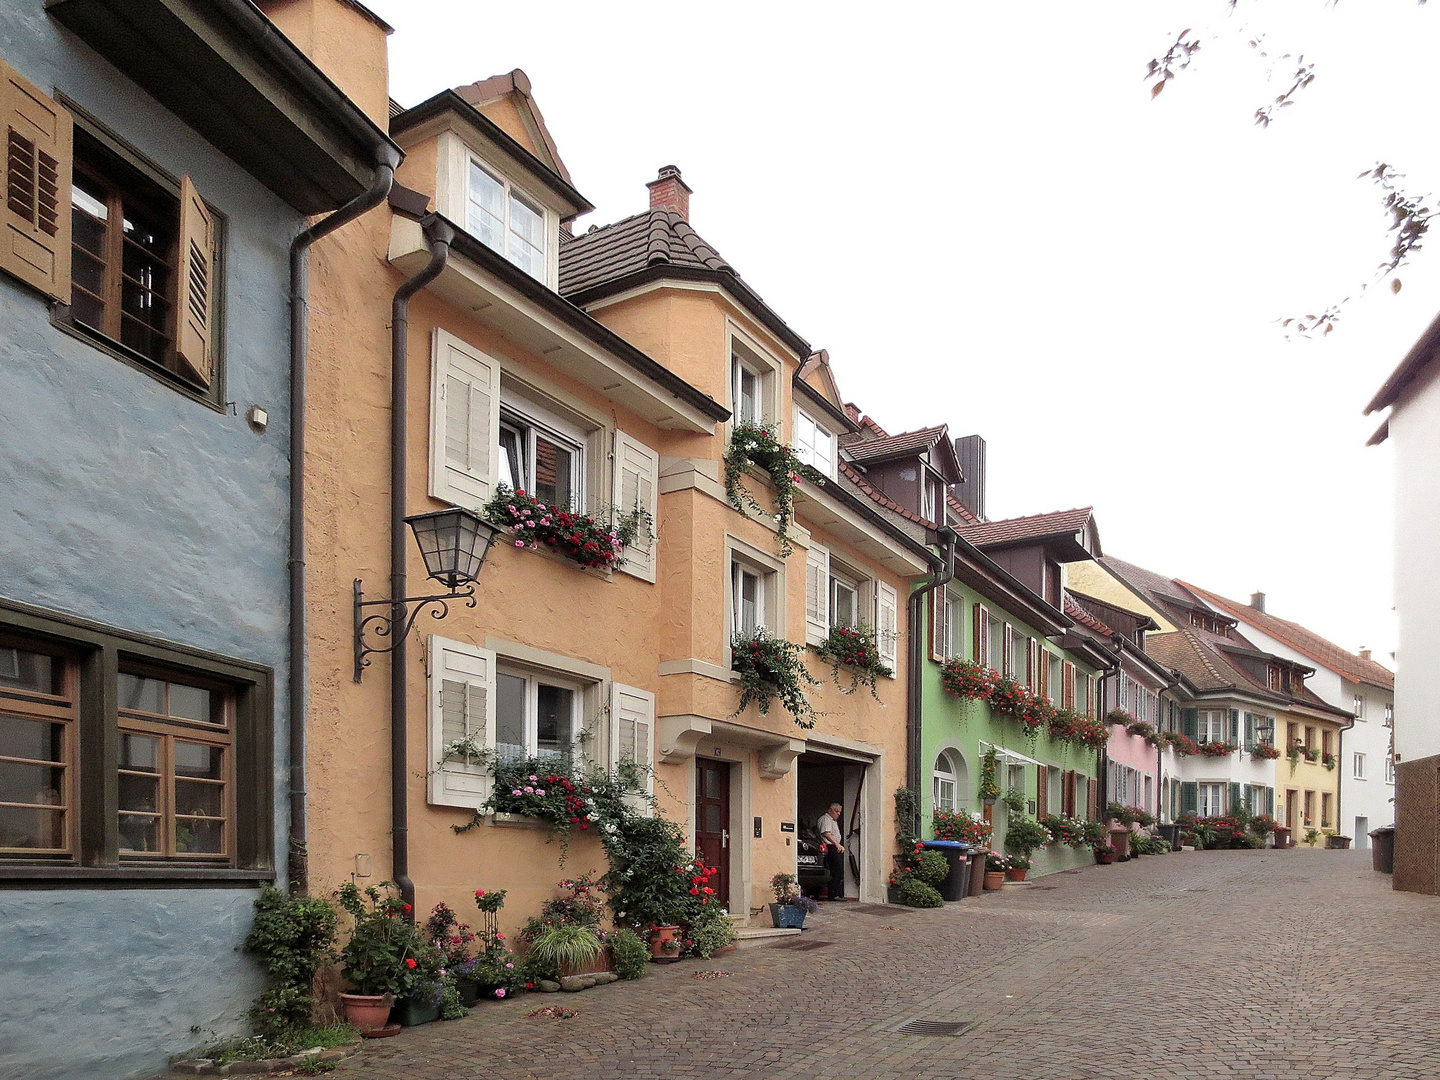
(990, 533)
(856, 478)
(1206, 667)
(1080, 615)
(1306, 642)
(1155, 588)
(861, 448)
(963, 512)
(631, 245)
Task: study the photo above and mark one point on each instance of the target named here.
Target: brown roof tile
(631, 245)
(861, 448)
(858, 480)
(1010, 530)
(1080, 615)
(1306, 642)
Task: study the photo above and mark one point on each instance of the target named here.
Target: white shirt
(828, 828)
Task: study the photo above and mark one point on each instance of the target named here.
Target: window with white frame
(537, 715)
(505, 221)
(946, 782)
(541, 455)
(749, 585)
(1211, 725)
(747, 391)
(1015, 777)
(1359, 706)
(1082, 694)
(1389, 714)
(1389, 769)
(1359, 765)
(1211, 799)
(813, 444)
(844, 600)
(1054, 677)
(999, 634)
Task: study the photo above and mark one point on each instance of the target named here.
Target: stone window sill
(40, 876)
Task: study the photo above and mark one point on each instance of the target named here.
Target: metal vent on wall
(934, 1027)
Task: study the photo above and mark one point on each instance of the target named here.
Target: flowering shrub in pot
(380, 957)
(855, 648)
(1017, 866)
(1265, 752)
(1329, 761)
(995, 866)
(989, 775)
(1105, 854)
(790, 907)
(955, 825)
(1023, 836)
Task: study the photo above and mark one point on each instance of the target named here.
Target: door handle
(724, 838)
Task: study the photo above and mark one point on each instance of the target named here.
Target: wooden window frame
(99, 654)
(44, 707)
(213, 396)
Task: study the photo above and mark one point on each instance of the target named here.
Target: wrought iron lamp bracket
(384, 626)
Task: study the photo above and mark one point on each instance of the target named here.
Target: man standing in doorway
(829, 829)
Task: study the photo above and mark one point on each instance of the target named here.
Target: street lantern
(453, 544)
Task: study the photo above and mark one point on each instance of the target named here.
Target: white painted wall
(1415, 435)
(1370, 798)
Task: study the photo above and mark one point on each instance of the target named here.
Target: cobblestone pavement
(1266, 965)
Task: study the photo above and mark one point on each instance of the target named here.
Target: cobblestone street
(1273, 965)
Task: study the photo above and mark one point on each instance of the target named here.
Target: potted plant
(790, 907)
(995, 866)
(1017, 866)
(1105, 853)
(771, 668)
(446, 932)
(989, 770)
(378, 960)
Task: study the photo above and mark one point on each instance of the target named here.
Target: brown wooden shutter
(1042, 795)
(1092, 800)
(195, 302)
(1069, 793)
(35, 181)
(1067, 685)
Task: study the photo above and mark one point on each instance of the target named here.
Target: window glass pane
(37, 785)
(747, 390)
(512, 458)
(844, 604)
(145, 283)
(141, 695)
(41, 829)
(198, 798)
(822, 454)
(527, 238)
(21, 670)
(748, 601)
(554, 466)
(487, 209)
(190, 702)
(509, 717)
(139, 753)
(712, 823)
(554, 721)
(196, 836)
(198, 760)
(33, 740)
(139, 832)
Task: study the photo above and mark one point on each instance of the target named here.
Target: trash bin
(1382, 851)
(957, 853)
(1172, 834)
(977, 871)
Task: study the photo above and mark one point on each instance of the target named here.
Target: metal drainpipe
(299, 857)
(1103, 769)
(440, 236)
(915, 617)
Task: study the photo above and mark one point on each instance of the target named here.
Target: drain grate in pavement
(802, 946)
(934, 1027)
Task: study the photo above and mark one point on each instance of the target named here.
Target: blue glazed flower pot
(787, 917)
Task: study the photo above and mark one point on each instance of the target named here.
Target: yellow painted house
(601, 372)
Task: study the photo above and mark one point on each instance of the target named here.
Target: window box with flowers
(1265, 752)
(1217, 749)
(771, 668)
(1329, 761)
(956, 825)
(758, 446)
(587, 541)
(856, 649)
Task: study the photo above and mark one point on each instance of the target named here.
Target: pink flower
(539, 791)
(519, 543)
(510, 966)
(500, 993)
(515, 792)
(529, 790)
(499, 937)
(533, 777)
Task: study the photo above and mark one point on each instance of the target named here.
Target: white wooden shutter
(982, 635)
(35, 164)
(195, 301)
(1009, 649)
(632, 729)
(887, 608)
(464, 422)
(460, 681)
(817, 594)
(637, 480)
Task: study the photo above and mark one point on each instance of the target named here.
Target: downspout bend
(440, 236)
(297, 698)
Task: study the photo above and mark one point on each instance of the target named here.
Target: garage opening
(823, 779)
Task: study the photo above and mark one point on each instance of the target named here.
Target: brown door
(712, 821)
(1291, 797)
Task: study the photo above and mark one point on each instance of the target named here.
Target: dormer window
(814, 445)
(504, 221)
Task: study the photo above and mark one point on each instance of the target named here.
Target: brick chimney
(1364, 654)
(1257, 601)
(669, 192)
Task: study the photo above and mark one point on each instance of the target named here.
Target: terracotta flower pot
(1105, 858)
(994, 879)
(658, 939)
(1014, 873)
(367, 1012)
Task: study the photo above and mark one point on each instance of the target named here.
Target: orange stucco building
(604, 370)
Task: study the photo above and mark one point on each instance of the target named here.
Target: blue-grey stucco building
(157, 158)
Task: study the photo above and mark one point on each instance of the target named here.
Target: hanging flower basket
(856, 649)
(771, 668)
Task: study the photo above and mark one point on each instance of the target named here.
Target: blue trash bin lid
(947, 844)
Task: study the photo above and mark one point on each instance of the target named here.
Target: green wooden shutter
(1234, 796)
(1270, 802)
(1189, 794)
(1235, 726)
(1249, 731)
(1189, 724)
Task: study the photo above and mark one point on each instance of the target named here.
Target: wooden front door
(1291, 798)
(712, 821)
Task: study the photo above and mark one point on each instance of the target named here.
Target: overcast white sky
(982, 215)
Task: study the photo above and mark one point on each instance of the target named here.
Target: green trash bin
(1382, 849)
